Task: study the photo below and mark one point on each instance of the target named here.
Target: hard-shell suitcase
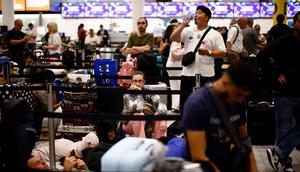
(131, 154)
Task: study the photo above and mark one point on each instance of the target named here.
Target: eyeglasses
(141, 23)
(137, 81)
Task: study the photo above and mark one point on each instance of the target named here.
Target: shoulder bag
(189, 57)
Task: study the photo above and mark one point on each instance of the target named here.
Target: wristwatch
(209, 53)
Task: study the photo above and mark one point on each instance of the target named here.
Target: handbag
(239, 154)
(148, 109)
(189, 57)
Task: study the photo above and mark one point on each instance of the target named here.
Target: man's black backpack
(17, 135)
(68, 58)
(146, 62)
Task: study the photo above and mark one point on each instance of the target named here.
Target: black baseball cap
(205, 10)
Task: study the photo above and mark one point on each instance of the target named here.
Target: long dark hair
(80, 26)
(168, 33)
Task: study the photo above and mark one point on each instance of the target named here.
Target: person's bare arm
(137, 49)
(162, 46)
(51, 47)
(228, 47)
(214, 53)
(141, 49)
(17, 42)
(69, 163)
(197, 144)
(175, 36)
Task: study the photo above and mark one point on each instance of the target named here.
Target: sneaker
(286, 164)
(272, 158)
(288, 167)
(175, 110)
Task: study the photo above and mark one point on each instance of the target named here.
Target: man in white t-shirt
(63, 148)
(211, 47)
(234, 43)
(33, 34)
(92, 40)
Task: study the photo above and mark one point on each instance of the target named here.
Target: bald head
(18, 24)
(242, 22)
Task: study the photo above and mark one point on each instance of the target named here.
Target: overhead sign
(150, 9)
(293, 8)
(19, 5)
(247, 9)
(221, 9)
(190, 7)
(120, 9)
(37, 5)
(266, 9)
(170, 9)
(97, 9)
(73, 10)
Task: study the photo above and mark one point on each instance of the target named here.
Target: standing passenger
(140, 41)
(16, 42)
(212, 47)
(54, 41)
(234, 44)
(105, 36)
(287, 101)
(81, 33)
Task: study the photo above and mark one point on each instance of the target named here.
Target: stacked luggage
(81, 102)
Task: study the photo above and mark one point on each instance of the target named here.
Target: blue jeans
(287, 116)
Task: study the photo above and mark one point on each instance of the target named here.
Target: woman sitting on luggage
(143, 104)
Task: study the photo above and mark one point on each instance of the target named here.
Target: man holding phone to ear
(211, 47)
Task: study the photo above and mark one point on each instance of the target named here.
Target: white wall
(69, 25)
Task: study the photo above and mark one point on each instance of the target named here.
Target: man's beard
(142, 30)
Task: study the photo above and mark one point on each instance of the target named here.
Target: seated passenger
(143, 104)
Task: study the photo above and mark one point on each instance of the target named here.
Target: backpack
(92, 155)
(68, 58)
(17, 133)
(147, 63)
(127, 69)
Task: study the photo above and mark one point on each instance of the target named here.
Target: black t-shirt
(287, 62)
(15, 51)
(279, 30)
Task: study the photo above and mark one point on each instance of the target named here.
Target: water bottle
(187, 17)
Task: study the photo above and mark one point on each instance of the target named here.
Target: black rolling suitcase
(261, 122)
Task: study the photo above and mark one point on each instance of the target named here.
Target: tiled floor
(262, 161)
